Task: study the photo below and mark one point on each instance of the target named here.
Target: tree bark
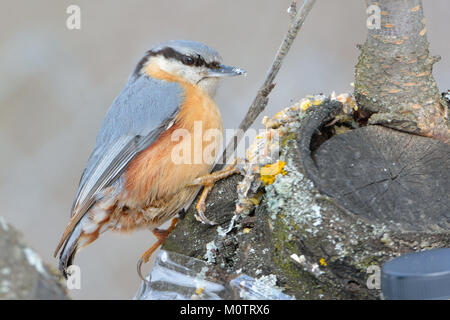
(335, 211)
(394, 84)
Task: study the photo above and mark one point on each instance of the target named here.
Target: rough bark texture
(313, 243)
(23, 275)
(393, 81)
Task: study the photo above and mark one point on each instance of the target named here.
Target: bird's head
(190, 61)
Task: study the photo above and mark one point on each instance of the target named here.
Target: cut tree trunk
(344, 203)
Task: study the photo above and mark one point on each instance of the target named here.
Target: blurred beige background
(56, 85)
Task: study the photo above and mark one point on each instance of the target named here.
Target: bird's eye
(188, 60)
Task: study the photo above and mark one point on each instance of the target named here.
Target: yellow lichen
(305, 104)
(317, 102)
(311, 101)
(257, 198)
(341, 129)
(199, 291)
(322, 262)
(270, 171)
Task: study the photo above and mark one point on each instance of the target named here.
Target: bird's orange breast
(156, 174)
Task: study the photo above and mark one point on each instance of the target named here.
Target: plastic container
(421, 275)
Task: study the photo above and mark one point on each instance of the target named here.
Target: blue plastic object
(421, 275)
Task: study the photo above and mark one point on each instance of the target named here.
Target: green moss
(297, 279)
(286, 139)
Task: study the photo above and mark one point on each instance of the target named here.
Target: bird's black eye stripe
(199, 61)
(213, 65)
(188, 60)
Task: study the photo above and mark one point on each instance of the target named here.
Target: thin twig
(292, 10)
(259, 103)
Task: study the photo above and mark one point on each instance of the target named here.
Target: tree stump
(345, 203)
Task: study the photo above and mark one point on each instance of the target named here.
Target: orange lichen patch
(363, 92)
(405, 38)
(348, 102)
(415, 9)
(384, 66)
(424, 30)
(412, 61)
(394, 90)
(416, 106)
(384, 13)
(389, 25)
(398, 42)
(432, 122)
(270, 171)
(423, 74)
(410, 84)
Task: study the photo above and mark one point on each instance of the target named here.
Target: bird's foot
(208, 181)
(161, 235)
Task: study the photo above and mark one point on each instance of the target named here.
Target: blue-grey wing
(137, 117)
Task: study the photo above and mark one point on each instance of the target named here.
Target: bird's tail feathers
(69, 250)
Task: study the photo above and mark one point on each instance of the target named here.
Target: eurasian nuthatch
(130, 181)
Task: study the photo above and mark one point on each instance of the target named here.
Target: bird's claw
(208, 183)
(161, 235)
(139, 270)
(203, 219)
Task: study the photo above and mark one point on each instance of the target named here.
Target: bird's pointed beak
(226, 71)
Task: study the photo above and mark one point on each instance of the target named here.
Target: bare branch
(259, 103)
(292, 10)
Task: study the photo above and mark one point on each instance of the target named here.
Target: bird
(131, 181)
